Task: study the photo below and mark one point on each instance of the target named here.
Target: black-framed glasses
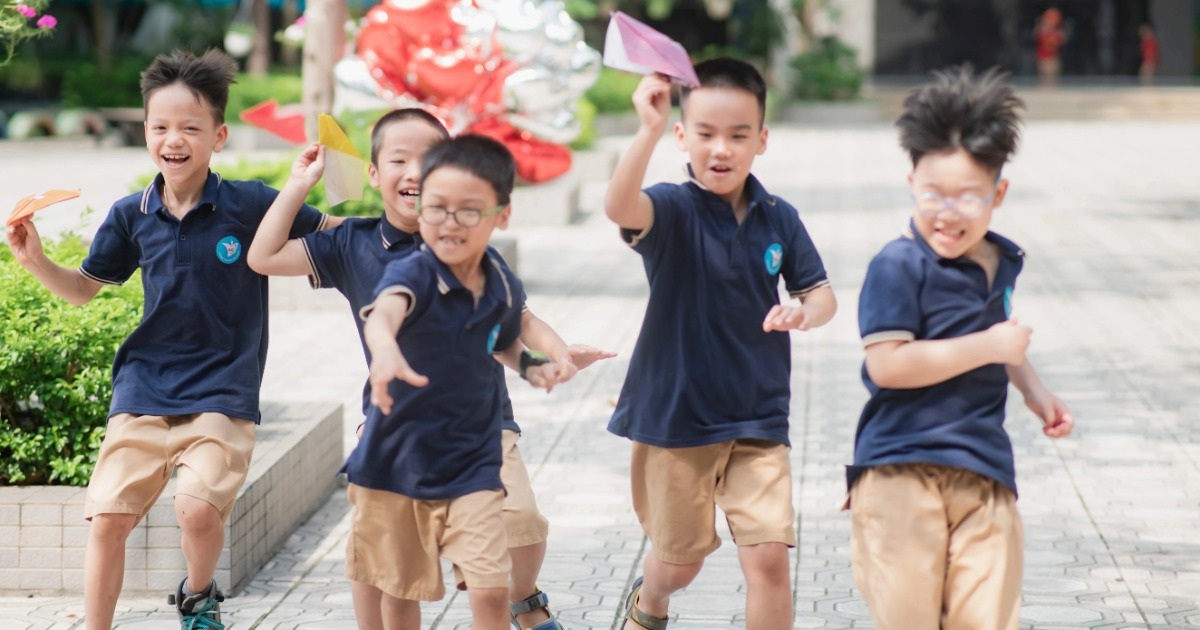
(465, 217)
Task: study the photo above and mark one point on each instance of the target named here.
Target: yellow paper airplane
(344, 165)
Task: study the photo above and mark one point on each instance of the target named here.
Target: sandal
(530, 604)
(635, 614)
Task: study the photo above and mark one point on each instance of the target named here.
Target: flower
(47, 21)
(302, 20)
(28, 12)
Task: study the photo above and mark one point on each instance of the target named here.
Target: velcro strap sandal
(635, 614)
(538, 600)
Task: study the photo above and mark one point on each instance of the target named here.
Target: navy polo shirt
(202, 343)
(910, 293)
(442, 441)
(703, 371)
(351, 258)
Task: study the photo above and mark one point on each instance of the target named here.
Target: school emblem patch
(1008, 301)
(492, 337)
(229, 249)
(773, 258)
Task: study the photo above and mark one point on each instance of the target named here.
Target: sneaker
(201, 611)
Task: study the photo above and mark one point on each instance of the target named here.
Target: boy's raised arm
(912, 364)
(69, 284)
(625, 203)
(271, 252)
(387, 362)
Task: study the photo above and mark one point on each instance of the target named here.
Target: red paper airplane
(285, 121)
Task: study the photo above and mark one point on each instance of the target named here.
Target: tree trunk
(100, 40)
(260, 56)
(324, 41)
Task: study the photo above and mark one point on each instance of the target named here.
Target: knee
(767, 564)
(197, 518)
(489, 598)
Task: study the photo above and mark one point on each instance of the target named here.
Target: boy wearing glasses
(936, 538)
(352, 258)
(425, 478)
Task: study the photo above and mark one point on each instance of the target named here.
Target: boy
(351, 259)
(706, 397)
(425, 478)
(186, 381)
(936, 538)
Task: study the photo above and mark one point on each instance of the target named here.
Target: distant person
(1049, 38)
(1149, 54)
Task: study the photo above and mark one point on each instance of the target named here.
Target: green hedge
(250, 90)
(55, 371)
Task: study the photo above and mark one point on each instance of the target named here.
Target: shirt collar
(392, 235)
(496, 285)
(152, 198)
(1008, 249)
(753, 189)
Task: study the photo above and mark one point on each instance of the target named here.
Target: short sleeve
(510, 325)
(113, 256)
(409, 276)
(802, 267)
(889, 306)
(308, 220)
(324, 251)
(664, 217)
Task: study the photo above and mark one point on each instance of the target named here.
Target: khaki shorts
(395, 542)
(675, 491)
(211, 450)
(522, 520)
(936, 547)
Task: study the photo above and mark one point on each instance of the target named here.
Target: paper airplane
(634, 47)
(33, 203)
(344, 165)
(285, 121)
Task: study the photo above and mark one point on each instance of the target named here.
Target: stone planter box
(298, 451)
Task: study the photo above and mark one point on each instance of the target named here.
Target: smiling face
(182, 135)
(721, 131)
(397, 171)
(454, 189)
(953, 174)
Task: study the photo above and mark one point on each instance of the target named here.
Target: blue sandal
(635, 614)
(530, 604)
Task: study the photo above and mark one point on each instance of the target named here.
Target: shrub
(585, 111)
(828, 72)
(85, 85)
(251, 90)
(55, 371)
(613, 91)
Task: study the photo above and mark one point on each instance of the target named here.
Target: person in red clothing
(1149, 54)
(1049, 37)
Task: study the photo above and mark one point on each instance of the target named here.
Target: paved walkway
(1109, 216)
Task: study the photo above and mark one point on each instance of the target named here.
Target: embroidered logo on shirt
(492, 337)
(229, 249)
(773, 258)
(1008, 301)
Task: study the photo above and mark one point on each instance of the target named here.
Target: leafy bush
(613, 91)
(251, 90)
(585, 111)
(55, 362)
(828, 72)
(85, 85)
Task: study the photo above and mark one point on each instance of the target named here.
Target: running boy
(425, 478)
(706, 397)
(351, 258)
(936, 538)
(186, 381)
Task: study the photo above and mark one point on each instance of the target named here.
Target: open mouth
(721, 169)
(409, 195)
(175, 159)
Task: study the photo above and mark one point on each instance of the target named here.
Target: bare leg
(489, 608)
(661, 580)
(400, 614)
(368, 606)
(526, 564)
(104, 567)
(768, 586)
(202, 540)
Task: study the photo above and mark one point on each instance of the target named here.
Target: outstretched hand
(385, 368)
(583, 355)
(786, 317)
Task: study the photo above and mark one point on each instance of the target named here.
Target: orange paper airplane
(33, 203)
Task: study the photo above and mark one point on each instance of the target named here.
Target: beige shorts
(522, 520)
(675, 491)
(211, 450)
(936, 547)
(396, 542)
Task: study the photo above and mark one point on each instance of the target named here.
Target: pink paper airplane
(634, 47)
